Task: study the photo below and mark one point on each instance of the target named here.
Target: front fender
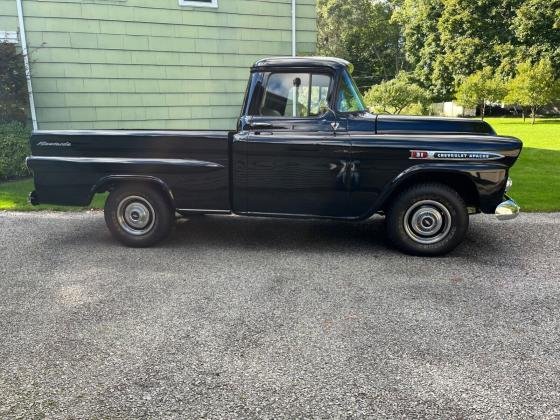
(489, 180)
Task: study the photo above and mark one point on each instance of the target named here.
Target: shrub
(14, 147)
(13, 85)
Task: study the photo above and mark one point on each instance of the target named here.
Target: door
(297, 151)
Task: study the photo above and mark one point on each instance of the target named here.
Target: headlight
(509, 182)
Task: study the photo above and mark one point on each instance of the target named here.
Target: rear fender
(108, 182)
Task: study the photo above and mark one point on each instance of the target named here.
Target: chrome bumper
(507, 210)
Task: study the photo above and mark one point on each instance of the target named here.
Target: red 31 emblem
(418, 154)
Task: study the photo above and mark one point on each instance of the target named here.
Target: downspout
(26, 63)
(293, 28)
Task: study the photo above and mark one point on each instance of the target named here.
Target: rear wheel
(427, 219)
(138, 215)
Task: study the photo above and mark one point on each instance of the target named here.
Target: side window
(295, 95)
(349, 98)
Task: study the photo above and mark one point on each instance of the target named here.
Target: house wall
(8, 15)
(146, 64)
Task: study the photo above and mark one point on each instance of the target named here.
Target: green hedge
(14, 147)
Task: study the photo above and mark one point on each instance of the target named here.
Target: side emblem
(54, 144)
(418, 154)
(452, 155)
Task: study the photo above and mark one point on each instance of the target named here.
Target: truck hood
(403, 124)
(397, 124)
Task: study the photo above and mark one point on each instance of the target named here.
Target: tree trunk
(533, 112)
(482, 111)
(523, 113)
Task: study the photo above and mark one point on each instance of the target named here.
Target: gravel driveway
(238, 317)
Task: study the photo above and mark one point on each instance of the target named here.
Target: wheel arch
(459, 181)
(110, 182)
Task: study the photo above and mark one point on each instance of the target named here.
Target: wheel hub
(427, 222)
(135, 215)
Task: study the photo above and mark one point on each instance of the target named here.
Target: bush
(14, 147)
(419, 108)
(13, 85)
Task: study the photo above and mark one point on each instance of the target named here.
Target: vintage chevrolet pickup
(305, 147)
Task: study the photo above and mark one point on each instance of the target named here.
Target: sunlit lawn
(536, 175)
(13, 196)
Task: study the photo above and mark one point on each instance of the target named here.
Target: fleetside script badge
(54, 144)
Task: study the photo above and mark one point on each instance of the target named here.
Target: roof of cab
(332, 62)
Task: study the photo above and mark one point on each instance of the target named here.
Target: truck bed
(70, 166)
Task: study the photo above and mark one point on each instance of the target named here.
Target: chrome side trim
(507, 210)
(143, 133)
(194, 211)
(453, 155)
(293, 215)
(125, 160)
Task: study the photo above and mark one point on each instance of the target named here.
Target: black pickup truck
(305, 147)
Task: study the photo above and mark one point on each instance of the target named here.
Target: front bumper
(507, 209)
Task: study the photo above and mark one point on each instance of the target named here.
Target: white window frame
(9, 37)
(213, 3)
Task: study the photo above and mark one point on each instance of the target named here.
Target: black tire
(138, 215)
(427, 219)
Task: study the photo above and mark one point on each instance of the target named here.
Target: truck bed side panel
(68, 165)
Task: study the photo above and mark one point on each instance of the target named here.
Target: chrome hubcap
(136, 215)
(427, 222)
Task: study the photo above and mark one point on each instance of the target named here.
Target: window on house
(199, 3)
(295, 95)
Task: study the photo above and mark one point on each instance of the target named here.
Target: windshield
(349, 98)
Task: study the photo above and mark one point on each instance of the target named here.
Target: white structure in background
(452, 109)
(8, 37)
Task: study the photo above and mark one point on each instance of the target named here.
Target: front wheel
(138, 215)
(427, 219)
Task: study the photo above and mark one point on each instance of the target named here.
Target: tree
(394, 95)
(480, 88)
(533, 86)
(422, 44)
(361, 31)
(537, 28)
(447, 40)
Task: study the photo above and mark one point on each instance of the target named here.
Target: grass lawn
(13, 196)
(536, 175)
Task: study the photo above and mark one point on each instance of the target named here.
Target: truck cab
(305, 146)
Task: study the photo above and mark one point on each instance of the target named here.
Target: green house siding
(132, 64)
(8, 15)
